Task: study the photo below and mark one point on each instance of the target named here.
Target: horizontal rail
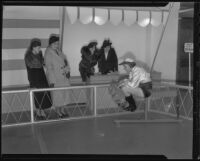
(89, 86)
(16, 91)
(69, 87)
(174, 85)
(52, 89)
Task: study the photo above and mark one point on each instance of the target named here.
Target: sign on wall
(188, 47)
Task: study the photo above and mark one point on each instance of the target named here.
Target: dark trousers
(146, 88)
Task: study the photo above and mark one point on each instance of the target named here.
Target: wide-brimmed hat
(53, 39)
(92, 43)
(106, 43)
(128, 61)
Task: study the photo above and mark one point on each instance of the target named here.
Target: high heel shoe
(65, 115)
(43, 115)
(59, 115)
(38, 115)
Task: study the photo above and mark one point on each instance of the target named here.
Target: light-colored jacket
(55, 72)
(136, 76)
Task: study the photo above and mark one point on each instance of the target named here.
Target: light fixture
(143, 18)
(101, 16)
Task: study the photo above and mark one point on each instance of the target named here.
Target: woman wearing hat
(58, 73)
(108, 61)
(34, 62)
(138, 84)
(89, 55)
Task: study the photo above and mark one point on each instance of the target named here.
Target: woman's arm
(115, 60)
(50, 68)
(86, 55)
(32, 62)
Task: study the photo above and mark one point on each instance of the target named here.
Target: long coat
(37, 79)
(109, 64)
(55, 62)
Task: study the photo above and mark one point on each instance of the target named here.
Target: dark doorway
(185, 35)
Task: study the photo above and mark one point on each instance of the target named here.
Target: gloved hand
(122, 77)
(122, 83)
(66, 69)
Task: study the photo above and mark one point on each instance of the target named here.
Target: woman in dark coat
(89, 55)
(37, 79)
(108, 61)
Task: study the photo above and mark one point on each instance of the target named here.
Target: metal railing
(173, 100)
(95, 101)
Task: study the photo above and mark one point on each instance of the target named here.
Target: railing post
(146, 108)
(31, 105)
(95, 101)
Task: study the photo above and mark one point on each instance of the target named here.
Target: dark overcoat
(109, 64)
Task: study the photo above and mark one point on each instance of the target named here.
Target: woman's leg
(43, 113)
(58, 111)
(38, 112)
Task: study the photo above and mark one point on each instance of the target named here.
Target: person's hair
(34, 43)
(132, 64)
(53, 38)
(91, 44)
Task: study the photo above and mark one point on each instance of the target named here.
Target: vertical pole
(31, 105)
(189, 69)
(178, 107)
(62, 20)
(147, 106)
(95, 101)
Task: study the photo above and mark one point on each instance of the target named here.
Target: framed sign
(188, 47)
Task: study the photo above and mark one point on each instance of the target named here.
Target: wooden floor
(101, 136)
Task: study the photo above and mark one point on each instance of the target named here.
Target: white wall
(125, 39)
(142, 42)
(20, 25)
(167, 54)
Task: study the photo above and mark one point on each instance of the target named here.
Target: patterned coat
(88, 60)
(137, 75)
(56, 74)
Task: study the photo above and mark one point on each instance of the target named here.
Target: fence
(18, 107)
